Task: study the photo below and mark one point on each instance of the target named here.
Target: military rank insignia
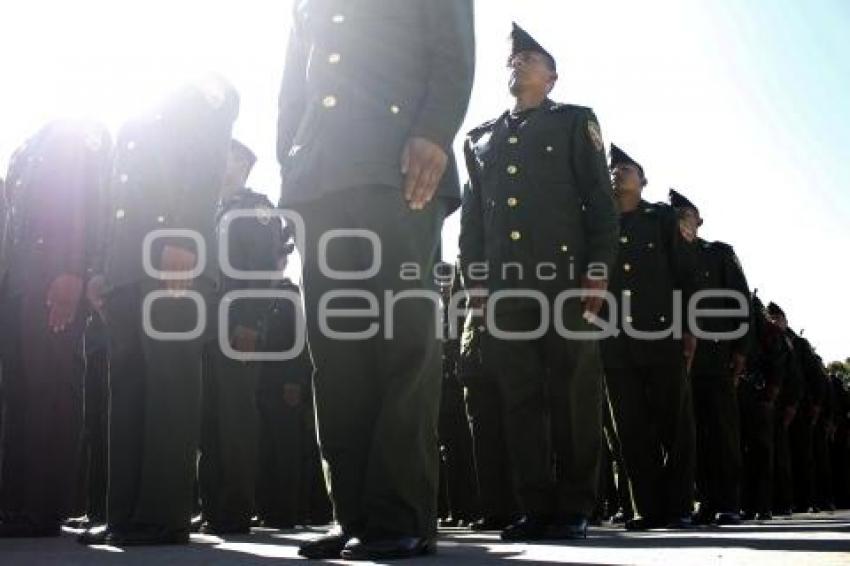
(595, 134)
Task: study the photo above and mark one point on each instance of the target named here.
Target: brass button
(338, 18)
(565, 248)
(334, 58)
(512, 169)
(329, 101)
(513, 140)
(515, 235)
(512, 202)
(119, 214)
(662, 318)
(627, 267)
(624, 240)
(550, 149)
(650, 245)
(395, 109)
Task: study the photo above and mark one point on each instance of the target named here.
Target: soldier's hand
(772, 393)
(244, 339)
(292, 394)
(814, 412)
(94, 294)
(739, 366)
(591, 300)
(689, 349)
(422, 163)
(175, 258)
(788, 416)
(63, 298)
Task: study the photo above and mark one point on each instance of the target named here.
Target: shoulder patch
(594, 132)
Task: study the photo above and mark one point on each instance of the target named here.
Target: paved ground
(805, 539)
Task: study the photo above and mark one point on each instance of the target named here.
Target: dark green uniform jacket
(539, 193)
(719, 269)
(361, 78)
(654, 261)
(168, 172)
(255, 243)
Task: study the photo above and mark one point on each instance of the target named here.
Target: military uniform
(789, 400)
(168, 173)
(361, 79)
(823, 494)
(841, 443)
(228, 464)
(714, 385)
(499, 504)
(54, 186)
(96, 446)
(802, 430)
(290, 488)
(540, 195)
(458, 484)
(647, 381)
(758, 392)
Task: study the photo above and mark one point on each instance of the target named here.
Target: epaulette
(658, 207)
(475, 132)
(723, 246)
(561, 107)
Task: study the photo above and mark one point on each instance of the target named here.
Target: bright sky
(743, 106)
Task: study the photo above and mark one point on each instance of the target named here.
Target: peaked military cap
(521, 41)
(774, 310)
(619, 156)
(678, 200)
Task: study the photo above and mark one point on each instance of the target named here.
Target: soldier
(290, 490)
(373, 94)
(169, 170)
(540, 199)
(786, 412)
(841, 442)
(758, 393)
(647, 378)
(717, 368)
(825, 427)
(802, 430)
(228, 465)
(458, 482)
(55, 182)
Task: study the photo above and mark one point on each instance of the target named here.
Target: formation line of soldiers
(109, 256)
